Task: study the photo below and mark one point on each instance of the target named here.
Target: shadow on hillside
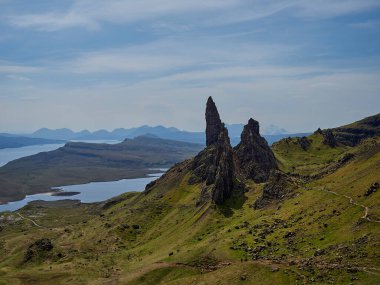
(235, 202)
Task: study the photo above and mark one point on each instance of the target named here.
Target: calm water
(89, 193)
(9, 154)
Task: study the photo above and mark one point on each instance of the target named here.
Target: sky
(93, 64)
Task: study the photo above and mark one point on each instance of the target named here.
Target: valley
(312, 220)
(79, 163)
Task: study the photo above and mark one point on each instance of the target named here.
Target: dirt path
(365, 208)
(30, 220)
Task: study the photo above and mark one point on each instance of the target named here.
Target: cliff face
(255, 158)
(215, 164)
(214, 125)
(218, 166)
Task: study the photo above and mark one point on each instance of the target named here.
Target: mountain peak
(214, 125)
(252, 126)
(255, 157)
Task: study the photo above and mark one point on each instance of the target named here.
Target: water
(9, 154)
(89, 193)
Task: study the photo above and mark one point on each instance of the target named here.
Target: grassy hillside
(353, 133)
(327, 231)
(308, 156)
(319, 236)
(292, 158)
(77, 163)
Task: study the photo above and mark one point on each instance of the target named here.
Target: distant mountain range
(271, 133)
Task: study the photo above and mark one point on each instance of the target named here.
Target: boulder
(278, 187)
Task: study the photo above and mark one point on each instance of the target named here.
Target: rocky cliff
(218, 166)
(214, 125)
(221, 170)
(256, 159)
(215, 164)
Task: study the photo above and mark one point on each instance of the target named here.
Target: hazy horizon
(112, 64)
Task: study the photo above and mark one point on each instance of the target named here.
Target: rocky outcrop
(219, 169)
(372, 189)
(304, 143)
(354, 133)
(214, 125)
(278, 187)
(215, 164)
(329, 138)
(255, 158)
(38, 248)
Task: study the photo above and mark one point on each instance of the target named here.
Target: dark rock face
(329, 138)
(214, 125)
(304, 143)
(353, 134)
(219, 169)
(215, 164)
(37, 248)
(225, 169)
(372, 189)
(255, 157)
(278, 187)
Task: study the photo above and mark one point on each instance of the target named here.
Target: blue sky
(91, 64)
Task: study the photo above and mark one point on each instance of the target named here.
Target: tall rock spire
(214, 166)
(255, 157)
(214, 125)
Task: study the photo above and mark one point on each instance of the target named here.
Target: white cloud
(296, 104)
(91, 14)
(366, 25)
(333, 8)
(7, 67)
(171, 55)
(18, 77)
(118, 61)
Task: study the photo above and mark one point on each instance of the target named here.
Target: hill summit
(222, 169)
(306, 211)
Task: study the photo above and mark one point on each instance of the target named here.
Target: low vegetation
(326, 232)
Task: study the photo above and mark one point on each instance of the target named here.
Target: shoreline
(59, 192)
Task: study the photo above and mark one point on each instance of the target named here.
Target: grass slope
(316, 236)
(327, 233)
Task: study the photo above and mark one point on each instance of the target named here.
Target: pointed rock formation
(219, 169)
(256, 159)
(214, 125)
(215, 164)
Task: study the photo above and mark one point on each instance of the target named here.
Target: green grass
(293, 159)
(179, 243)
